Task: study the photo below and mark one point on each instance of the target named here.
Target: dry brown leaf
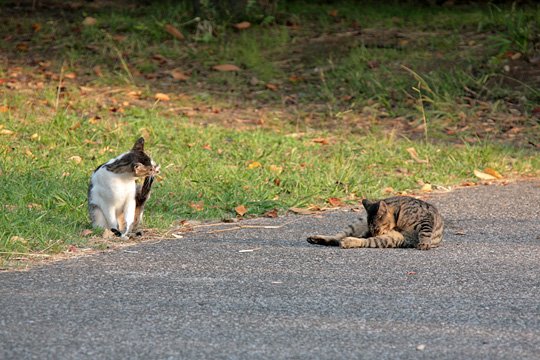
(76, 159)
(179, 75)
(272, 87)
(493, 172)
(36, 27)
(174, 32)
(97, 70)
(89, 21)
(86, 232)
(276, 169)
(197, 206)
(414, 155)
(483, 176)
(254, 165)
(303, 211)
(242, 25)
(226, 67)
(70, 75)
(6, 132)
(322, 141)
(271, 213)
(426, 188)
(335, 202)
(3, 109)
(388, 190)
(162, 97)
(240, 210)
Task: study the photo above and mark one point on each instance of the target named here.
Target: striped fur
(394, 222)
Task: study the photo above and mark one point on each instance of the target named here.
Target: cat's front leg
(326, 240)
(357, 229)
(129, 216)
(392, 239)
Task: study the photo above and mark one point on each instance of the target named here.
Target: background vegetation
(293, 105)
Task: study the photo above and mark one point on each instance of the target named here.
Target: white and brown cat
(115, 200)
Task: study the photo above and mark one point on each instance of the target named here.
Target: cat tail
(141, 196)
(393, 239)
(143, 192)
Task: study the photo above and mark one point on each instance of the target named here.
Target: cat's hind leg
(98, 219)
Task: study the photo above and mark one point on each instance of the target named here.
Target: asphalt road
(202, 297)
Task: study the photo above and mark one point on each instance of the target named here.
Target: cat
(115, 200)
(395, 222)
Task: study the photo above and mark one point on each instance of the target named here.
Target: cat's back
(412, 210)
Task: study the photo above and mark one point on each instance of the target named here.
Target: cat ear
(383, 208)
(371, 207)
(139, 145)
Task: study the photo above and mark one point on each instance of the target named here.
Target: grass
(421, 77)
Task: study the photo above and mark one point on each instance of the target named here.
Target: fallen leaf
(89, 21)
(3, 109)
(242, 25)
(207, 147)
(426, 188)
(197, 206)
(303, 211)
(271, 213)
(322, 141)
(254, 165)
(333, 13)
(276, 169)
(388, 190)
(493, 172)
(272, 87)
(174, 32)
(277, 181)
(177, 236)
(468, 183)
(36, 27)
(335, 202)
(70, 75)
(86, 232)
(483, 176)
(226, 67)
(97, 70)
(162, 97)
(178, 75)
(6, 132)
(76, 159)
(414, 155)
(240, 210)
(72, 248)
(75, 126)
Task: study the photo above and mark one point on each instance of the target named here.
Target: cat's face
(142, 164)
(379, 217)
(136, 162)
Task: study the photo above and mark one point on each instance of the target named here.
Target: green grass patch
(208, 171)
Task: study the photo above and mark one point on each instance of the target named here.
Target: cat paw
(116, 232)
(315, 239)
(423, 246)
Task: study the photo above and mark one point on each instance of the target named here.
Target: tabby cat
(400, 221)
(115, 200)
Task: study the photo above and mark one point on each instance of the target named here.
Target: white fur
(114, 196)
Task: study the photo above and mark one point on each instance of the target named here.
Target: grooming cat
(115, 200)
(394, 222)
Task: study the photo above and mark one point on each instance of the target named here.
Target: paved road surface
(476, 297)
